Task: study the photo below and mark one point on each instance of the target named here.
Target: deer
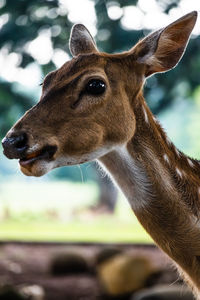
(93, 108)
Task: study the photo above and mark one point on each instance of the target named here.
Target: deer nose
(15, 146)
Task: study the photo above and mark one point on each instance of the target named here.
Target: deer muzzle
(15, 146)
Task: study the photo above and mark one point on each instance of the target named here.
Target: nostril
(15, 145)
(20, 141)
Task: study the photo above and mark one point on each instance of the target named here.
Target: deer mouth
(46, 153)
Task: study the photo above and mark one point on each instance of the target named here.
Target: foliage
(11, 106)
(25, 22)
(119, 39)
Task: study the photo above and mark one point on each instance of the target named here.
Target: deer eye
(95, 87)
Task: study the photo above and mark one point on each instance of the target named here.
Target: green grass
(56, 211)
(106, 231)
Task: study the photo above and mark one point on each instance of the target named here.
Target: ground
(29, 264)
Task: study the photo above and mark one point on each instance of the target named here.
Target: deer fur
(118, 129)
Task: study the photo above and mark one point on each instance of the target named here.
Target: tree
(23, 22)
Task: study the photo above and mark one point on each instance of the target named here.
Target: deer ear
(162, 50)
(81, 41)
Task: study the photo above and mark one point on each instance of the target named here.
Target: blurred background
(79, 203)
(75, 234)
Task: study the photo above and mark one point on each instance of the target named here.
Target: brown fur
(118, 129)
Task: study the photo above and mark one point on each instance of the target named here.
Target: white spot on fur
(169, 142)
(33, 148)
(166, 158)
(190, 162)
(154, 118)
(179, 172)
(145, 115)
(177, 151)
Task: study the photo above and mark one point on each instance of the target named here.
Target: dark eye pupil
(95, 87)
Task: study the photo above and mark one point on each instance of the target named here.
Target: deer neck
(162, 186)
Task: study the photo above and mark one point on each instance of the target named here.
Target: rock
(13, 267)
(124, 274)
(161, 276)
(175, 292)
(107, 253)
(68, 263)
(33, 292)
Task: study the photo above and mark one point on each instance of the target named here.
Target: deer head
(88, 106)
